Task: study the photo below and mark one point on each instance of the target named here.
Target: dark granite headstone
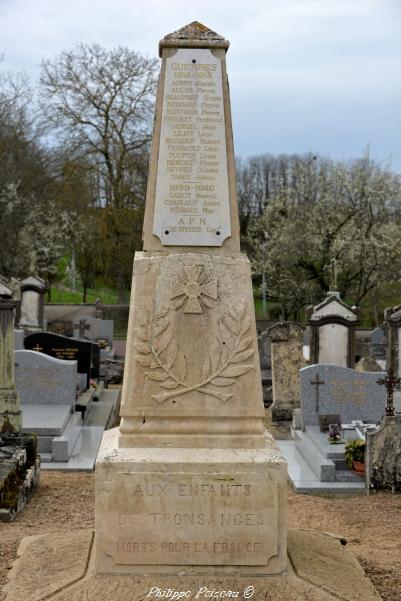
(326, 420)
(86, 353)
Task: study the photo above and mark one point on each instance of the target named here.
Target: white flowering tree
(347, 211)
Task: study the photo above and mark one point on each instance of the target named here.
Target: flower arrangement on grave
(355, 455)
(335, 434)
(102, 343)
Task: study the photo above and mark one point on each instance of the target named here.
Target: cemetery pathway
(372, 525)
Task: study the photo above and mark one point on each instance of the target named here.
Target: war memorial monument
(190, 489)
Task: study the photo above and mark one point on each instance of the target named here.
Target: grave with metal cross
(392, 383)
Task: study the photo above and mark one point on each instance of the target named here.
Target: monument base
(187, 511)
(60, 567)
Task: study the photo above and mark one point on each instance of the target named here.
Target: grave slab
(304, 480)
(46, 419)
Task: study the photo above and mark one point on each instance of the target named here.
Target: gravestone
(43, 379)
(332, 325)
(330, 389)
(31, 308)
(287, 359)
(191, 481)
(99, 331)
(48, 388)
(86, 353)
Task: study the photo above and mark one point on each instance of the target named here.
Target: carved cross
(83, 326)
(316, 384)
(391, 383)
(37, 348)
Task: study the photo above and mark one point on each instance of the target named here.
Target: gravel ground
(372, 525)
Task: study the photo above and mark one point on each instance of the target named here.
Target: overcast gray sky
(305, 75)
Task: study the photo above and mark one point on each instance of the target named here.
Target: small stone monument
(10, 411)
(287, 359)
(19, 462)
(332, 325)
(191, 479)
(31, 308)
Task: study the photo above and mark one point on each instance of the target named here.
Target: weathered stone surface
(192, 366)
(194, 31)
(367, 364)
(329, 566)
(186, 507)
(287, 359)
(48, 564)
(19, 340)
(10, 413)
(341, 391)
(53, 567)
(383, 455)
(44, 379)
(19, 473)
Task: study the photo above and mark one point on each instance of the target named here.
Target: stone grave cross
(83, 327)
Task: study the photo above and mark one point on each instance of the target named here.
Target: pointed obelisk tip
(193, 35)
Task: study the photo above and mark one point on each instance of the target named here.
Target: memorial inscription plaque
(192, 197)
(190, 518)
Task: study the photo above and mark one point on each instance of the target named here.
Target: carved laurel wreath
(167, 365)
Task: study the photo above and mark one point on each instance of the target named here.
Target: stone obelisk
(191, 481)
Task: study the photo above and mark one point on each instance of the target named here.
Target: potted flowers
(355, 455)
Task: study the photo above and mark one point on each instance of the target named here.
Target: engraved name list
(192, 197)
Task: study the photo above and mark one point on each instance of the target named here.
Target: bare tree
(99, 104)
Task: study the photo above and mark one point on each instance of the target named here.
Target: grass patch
(61, 294)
